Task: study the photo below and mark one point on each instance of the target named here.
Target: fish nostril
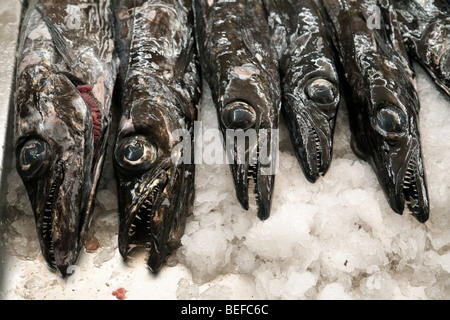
(238, 115)
(321, 91)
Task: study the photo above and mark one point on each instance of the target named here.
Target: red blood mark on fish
(92, 103)
(88, 97)
(120, 294)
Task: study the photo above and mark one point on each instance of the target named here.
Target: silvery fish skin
(425, 26)
(160, 91)
(309, 81)
(240, 67)
(66, 71)
(382, 101)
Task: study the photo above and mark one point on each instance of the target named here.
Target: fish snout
(402, 176)
(252, 149)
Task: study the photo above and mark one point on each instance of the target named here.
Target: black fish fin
(57, 38)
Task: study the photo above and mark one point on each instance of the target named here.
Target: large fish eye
(33, 158)
(136, 154)
(391, 122)
(321, 91)
(238, 115)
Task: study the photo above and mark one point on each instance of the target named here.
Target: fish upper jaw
(312, 139)
(410, 186)
(61, 217)
(401, 175)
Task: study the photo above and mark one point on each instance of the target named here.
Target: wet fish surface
(382, 100)
(240, 66)
(425, 26)
(309, 80)
(159, 84)
(66, 70)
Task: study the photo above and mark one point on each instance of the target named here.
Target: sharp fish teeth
(318, 146)
(47, 220)
(141, 224)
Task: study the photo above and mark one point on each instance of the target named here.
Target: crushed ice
(335, 239)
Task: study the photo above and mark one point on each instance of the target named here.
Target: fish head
(310, 115)
(155, 188)
(395, 150)
(57, 159)
(248, 120)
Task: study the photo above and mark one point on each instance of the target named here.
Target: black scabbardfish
(425, 26)
(159, 84)
(66, 72)
(240, 67)
(309, 81)
(382, 101)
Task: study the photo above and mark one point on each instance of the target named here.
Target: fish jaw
(62, 206)
(403, 180)
(253, 156)
(58, 224)
(414, 186)
(311, 131)
(248, 178)
(153, 211)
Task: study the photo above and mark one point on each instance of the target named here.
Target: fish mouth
(155, 222)
(405, 186)
(254, 180)
(413, 189)
(45, 224)
(138, 230)
(62, 226)
(312, 142)
(251, 149)
(152, 215)
(315, 147)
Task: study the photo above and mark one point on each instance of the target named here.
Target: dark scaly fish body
(160, 90)
(309, 81)
(240, 67)
(382, 102)
(65, 77)
(425, 26)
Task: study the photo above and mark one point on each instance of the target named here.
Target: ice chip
(333, 291)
